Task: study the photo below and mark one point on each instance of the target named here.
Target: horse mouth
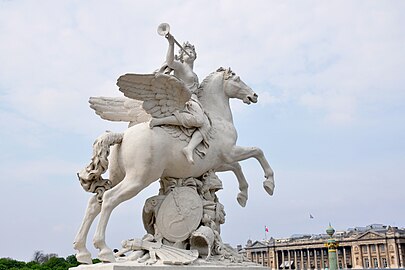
(250, 99)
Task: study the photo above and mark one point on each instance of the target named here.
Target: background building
(374, 246)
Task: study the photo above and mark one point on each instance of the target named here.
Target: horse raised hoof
(268, 185)
(242, 199)
(84, 257)
(106, 255)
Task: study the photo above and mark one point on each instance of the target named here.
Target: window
(382, 248)
(366, 263)
(364, 249)
(373, 248)
(384, 263)
(375, 262)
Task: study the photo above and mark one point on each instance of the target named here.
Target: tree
(40, 257)
(40, 261)
(72, 260)
(8, 263)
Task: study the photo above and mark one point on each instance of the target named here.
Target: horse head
(220, 86)
(234, 87)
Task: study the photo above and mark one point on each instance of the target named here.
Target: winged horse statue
(141, 155)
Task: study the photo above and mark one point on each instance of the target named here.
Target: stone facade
(374, 246)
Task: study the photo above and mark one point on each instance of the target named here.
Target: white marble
(179, 129)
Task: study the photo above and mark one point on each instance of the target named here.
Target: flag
(310, 216)
(266, 229)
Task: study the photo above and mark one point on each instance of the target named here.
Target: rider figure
(192, 117)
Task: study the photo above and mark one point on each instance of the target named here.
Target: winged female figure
(195, 122)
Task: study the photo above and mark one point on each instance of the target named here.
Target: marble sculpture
(181, 133)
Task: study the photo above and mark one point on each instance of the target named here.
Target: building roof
(356, 233)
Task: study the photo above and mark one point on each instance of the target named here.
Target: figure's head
(190, 49)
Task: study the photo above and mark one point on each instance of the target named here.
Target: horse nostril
(255, 95)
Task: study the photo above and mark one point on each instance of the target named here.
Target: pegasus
(141, 155)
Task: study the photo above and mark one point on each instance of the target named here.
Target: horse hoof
(106, 256)
(242, 199)
(84, 257)
(268, 185)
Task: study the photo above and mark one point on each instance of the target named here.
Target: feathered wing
(119, 109)
(161, 94)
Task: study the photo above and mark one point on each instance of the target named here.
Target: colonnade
(380, 255)
(309, 258)
(376, 255)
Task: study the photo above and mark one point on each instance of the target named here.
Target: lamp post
(332, 247)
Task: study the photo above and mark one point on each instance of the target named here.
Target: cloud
(74, 53)
(40, 171)
(338, 109)
(329, 79)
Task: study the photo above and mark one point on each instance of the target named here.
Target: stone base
(194, 266)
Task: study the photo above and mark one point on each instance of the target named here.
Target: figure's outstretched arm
(171, 62)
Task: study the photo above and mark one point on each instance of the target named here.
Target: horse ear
(220, 69)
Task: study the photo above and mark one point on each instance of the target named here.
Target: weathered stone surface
(180, 214)
(180, 131)
(136, 266)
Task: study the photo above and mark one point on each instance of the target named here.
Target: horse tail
(90, 177)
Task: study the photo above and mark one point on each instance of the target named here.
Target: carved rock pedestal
(183, 230)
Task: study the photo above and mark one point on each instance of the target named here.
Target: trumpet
(164, 30)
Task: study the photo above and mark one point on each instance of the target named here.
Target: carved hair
(228, 73)
(90, 177)
(186, 45)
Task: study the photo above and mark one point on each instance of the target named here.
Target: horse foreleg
(243, 184)
(239, 153)
(125, 190)
(93, 209)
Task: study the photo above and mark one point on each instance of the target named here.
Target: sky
(330, 117)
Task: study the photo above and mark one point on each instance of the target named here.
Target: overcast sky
(330, 116)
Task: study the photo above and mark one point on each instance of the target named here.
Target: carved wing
(161, 94)
(119, 109)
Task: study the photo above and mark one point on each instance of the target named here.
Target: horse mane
(200, 89)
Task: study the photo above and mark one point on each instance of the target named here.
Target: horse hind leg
(93, 209)
(124, 191)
